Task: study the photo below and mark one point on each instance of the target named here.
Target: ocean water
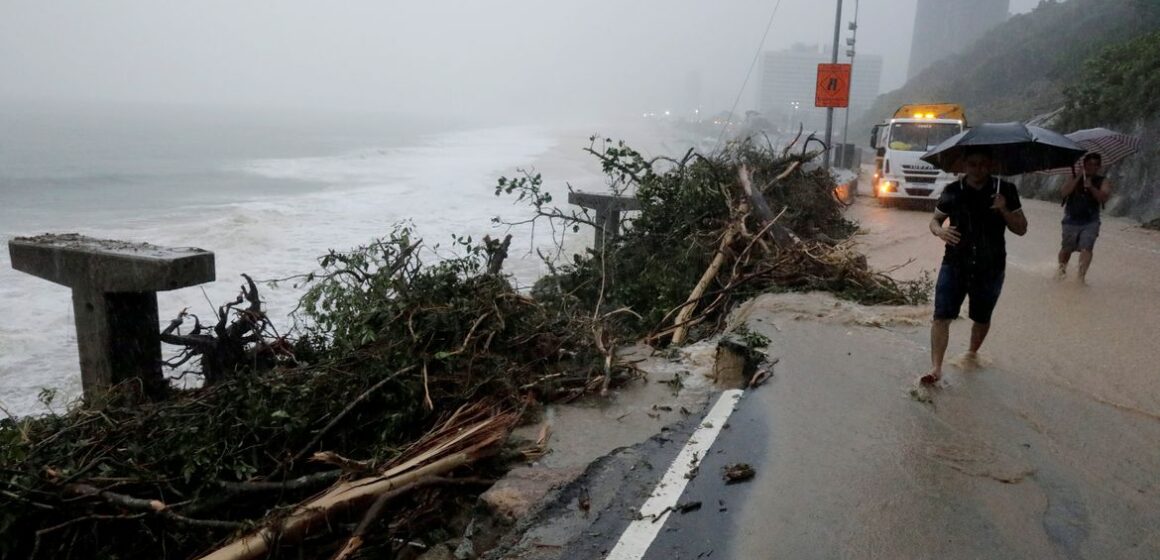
(267, 195)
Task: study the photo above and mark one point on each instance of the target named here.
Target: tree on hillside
(1117, 86)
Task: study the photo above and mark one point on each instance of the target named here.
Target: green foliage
(529, 188)
(751, 339)
(1118, 85)
(383, 289)
(345, 300)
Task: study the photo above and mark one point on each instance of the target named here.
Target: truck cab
(899, 142)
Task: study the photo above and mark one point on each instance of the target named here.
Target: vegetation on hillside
(1118, 85)
(1021, 68)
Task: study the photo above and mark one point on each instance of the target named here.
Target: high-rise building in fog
(789, 78)
(946, 27)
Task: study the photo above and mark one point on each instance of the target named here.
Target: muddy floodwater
(1100, 340)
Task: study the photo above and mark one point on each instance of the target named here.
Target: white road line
(641, 532)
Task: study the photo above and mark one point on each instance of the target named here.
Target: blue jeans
(958, 281)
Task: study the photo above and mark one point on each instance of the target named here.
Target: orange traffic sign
(833, 86)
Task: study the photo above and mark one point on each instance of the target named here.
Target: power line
(748, 73)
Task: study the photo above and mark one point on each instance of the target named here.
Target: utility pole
(833, 60)
(850, 52)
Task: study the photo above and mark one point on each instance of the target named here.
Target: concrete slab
(106, 265)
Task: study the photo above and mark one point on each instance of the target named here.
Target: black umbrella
(1014, 147)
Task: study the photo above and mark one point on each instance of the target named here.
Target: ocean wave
(438, 158)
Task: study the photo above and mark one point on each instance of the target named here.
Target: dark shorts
(1080, 237)
(957, 282)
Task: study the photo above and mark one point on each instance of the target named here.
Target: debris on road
(739, 472)
(584, 500)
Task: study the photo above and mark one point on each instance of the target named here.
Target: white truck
(899, 142)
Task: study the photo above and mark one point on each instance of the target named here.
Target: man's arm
(948, 234)
(1016, 220)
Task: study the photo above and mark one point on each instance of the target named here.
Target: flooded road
(1102, 339)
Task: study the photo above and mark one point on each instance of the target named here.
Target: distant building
(946, 27)
(788, 80)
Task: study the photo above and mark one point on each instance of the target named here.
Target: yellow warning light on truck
(950, 111)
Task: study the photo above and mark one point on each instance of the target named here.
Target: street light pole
(833, 60)
(851, 52)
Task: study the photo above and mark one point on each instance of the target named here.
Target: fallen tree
(712, 229)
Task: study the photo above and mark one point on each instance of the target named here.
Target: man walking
(980, 208)
(1083, 197)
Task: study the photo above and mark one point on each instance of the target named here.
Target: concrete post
(115, 287)
(608, 208)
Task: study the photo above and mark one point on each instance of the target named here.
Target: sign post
(833, 60)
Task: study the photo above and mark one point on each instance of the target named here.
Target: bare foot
(930, 378)
(921, 393)
(971, 361)
(1061, 273)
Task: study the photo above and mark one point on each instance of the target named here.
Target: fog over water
(512, 58)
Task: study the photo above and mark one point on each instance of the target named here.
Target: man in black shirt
(980, 208)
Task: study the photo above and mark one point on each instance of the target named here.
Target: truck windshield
(920, 137)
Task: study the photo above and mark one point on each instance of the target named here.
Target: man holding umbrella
(1082, 198)
(981, 208)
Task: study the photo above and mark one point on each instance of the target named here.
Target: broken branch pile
(388, 345)
(713, 230)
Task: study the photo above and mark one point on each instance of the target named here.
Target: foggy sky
(508, 58)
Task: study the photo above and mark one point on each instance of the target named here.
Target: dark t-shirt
(982, 244)
(1081, 207)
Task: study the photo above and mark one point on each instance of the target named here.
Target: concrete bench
(114, 291)
(608, 208)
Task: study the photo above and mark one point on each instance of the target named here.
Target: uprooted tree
(346, 437)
